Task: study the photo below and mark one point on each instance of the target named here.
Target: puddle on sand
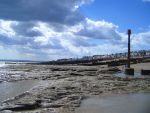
(11, 89)
(132, 103)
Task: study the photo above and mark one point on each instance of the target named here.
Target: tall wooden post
(129, 33)
(128, 70)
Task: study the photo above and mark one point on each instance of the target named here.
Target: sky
(53, 29)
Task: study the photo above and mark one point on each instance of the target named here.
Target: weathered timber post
(129, 33)
(128, 70)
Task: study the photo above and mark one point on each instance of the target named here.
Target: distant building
(140, 53)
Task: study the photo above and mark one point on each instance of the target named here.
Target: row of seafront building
(133, 54)
(140, 53)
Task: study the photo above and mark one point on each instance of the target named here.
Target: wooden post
(129, 33)
(128, 70)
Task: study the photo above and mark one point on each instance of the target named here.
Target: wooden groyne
(102, 61)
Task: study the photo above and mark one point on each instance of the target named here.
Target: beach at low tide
(64, 89)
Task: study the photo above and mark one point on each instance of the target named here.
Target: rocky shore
(67, 85)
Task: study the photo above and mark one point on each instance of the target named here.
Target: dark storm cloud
(99, 34)
(59, 11)
(11, 41)
(25, 29)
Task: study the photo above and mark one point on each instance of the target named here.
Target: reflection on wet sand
(132, 103)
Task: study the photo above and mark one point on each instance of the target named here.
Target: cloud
(141, 40)
(50, 43)
(64, 11)
(99, 30)
(5, 28)
(25, 29)
(49, 40)
(146, 0)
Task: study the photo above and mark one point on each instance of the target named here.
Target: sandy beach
(64, 87)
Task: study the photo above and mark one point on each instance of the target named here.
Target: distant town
(139, 53)
(136, 56)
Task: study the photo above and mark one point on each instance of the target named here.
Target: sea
(2, 64)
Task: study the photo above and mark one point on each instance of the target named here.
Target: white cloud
(141, 39)
(5, 28)
(53, 44)
(99, 30)
(146, 0)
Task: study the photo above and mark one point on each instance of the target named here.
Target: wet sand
(11, 89)
(138, 67)
(67, 86)
(131, 103)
